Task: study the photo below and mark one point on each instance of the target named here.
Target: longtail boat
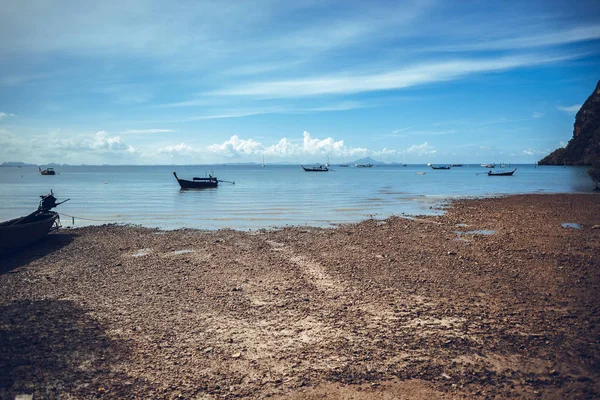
(501, 173)
(198, 183)
(47, 171)
(20, 232)
(318, 168)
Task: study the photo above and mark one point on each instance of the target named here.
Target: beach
(496, 298)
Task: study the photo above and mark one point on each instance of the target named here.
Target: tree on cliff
(594, 173)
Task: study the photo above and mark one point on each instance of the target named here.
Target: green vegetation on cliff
(584, 147)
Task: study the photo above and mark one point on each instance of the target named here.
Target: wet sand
(399, 308)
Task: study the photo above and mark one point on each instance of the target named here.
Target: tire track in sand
(316, 273)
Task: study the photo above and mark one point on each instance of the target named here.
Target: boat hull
(315, 169)
(185, 184)
(15, 235)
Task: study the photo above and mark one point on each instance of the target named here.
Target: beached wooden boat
(20, 232)
(440, 166)
(198, 183)
(318, 168)
(501, 173)
(47, 171)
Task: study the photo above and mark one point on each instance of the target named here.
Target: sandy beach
(494, 299)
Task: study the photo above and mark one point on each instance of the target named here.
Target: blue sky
(194, 82)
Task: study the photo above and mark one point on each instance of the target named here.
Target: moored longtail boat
(501, 173)
(198, 183)
(318, 168)
(47, 171)
(440, 166)
(20, 232)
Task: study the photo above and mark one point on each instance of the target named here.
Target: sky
(201, 82)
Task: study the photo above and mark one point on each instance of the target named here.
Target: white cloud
(56, 146)
(178, 149)
(421, 149)
(570, 109)
(537, 115)
(284, 149)
(103, 142)
(236, 147)
(4, 115)
(562, 144)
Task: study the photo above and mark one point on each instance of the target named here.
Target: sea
(272, 196)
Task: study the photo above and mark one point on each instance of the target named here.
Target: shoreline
(393, 307)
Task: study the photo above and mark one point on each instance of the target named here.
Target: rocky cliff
(584, 147)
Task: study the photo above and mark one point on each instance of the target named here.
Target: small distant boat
(420, 173)
(489, 165)
(198, 183)
(501, 173)
(440, 166)
(343, 165)
(456, 165)
(364, 165)
(47, 171)
(317, 168)
(20, 232)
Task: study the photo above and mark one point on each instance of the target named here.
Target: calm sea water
(273, 196)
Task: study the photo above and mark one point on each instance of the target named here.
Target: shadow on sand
(47, 245)
(53, 349)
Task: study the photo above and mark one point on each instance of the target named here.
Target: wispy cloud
(19, 79)
(333, 107)
(145, 131)
(533, 152)
(5, 115)
(396, 79)
(544, 39)
(397, 131)
(230, 115)
(570, 109)
(407, 132)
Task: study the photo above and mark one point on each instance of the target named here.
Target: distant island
(584, 146)
(16, 164)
